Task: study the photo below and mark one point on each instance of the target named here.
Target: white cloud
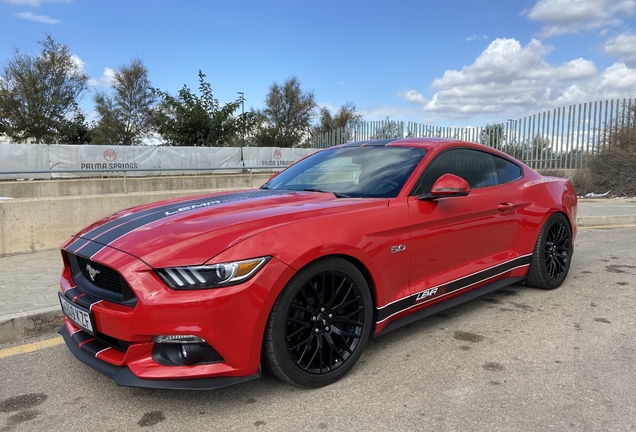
(34, 3)
(328, 106)
(623, 47)
(78, 62)
(616, 82)
(412, 96)
(572, 16)
(107, 78)
(473, 37)
(37, 18)
(511, 79)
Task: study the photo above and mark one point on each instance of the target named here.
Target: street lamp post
(242, 114)
(511, 124)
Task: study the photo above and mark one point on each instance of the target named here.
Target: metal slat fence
(561, 138)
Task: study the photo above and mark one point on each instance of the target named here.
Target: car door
(461, 241)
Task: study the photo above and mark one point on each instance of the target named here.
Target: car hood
(190, 231)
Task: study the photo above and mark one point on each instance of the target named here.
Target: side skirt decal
(438, 307)
(387, 311)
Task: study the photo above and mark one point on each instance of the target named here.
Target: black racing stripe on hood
(118, 228)
(77, 245)
(90, 249)
(159, 210)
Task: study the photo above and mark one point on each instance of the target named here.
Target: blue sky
(457, 62)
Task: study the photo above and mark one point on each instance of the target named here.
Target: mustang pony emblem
(92, 272)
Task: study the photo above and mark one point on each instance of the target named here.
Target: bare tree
(614, 168)
(125, 115)
(286, 118)
(39, 92)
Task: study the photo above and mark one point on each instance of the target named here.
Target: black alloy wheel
(552, 254)
(319, 325)
(557, 250)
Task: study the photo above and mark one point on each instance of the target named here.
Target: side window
(506, 170)
(476, 167)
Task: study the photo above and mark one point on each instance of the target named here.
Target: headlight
(211, 276)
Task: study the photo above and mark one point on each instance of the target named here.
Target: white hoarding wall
(24, 157)
(199, 157)
(273, 158)
(101, 157)
(112, 160)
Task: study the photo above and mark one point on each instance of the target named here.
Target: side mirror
(448, 185)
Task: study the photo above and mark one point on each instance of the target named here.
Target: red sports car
(348, 243)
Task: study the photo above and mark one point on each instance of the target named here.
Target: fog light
(183, 350)
(191, 354)
(178, 339)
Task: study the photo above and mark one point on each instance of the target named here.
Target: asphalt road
(517, 360)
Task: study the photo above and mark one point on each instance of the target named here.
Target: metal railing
(565, 137)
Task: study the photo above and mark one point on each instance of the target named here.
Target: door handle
(505, 206)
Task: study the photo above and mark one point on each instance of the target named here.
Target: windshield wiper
(337, 194)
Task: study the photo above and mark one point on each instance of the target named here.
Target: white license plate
(76, 314)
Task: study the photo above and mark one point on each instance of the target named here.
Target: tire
(552, 254)
(319, 325)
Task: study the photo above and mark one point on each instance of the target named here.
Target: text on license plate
(77, 315)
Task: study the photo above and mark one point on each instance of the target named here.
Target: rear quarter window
(506, 170)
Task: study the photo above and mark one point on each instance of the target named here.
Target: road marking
(27, 348)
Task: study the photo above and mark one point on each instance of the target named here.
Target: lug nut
(327, 328)
(322, 309)
(313, 318)
(317, 330)
(330, 316)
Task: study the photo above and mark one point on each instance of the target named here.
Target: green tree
(286, 119)
(124, 116)
(493, 136)
(538, 148)
(188, 119)
(75, 131)
(39, 92)
(387, 128)
(346, 117)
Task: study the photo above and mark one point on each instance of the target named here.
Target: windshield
(358, 172)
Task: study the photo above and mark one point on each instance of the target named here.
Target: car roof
(427, 143)
(434, 145)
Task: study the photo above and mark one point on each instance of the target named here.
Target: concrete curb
(37, 322)
(31, 323)
(588, 221)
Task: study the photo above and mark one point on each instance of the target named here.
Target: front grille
(106, 282)
(106, 278)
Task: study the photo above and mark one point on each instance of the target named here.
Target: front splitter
(123, 376)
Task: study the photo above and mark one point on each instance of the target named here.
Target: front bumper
(123, 376)
(231, 320)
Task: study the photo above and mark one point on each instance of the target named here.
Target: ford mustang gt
(348, 243)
